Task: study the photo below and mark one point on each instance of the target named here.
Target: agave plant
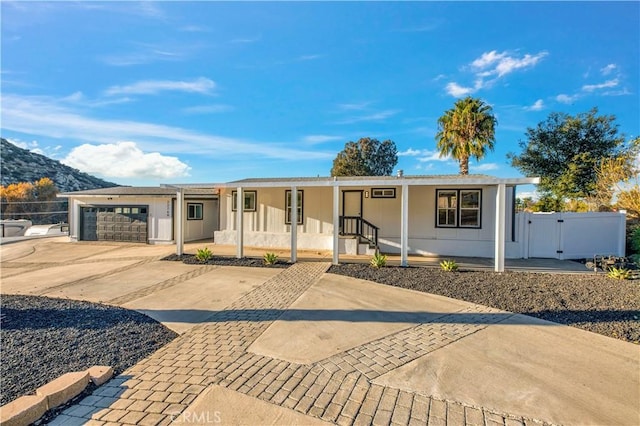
(449, 265)
(619, 273)
(379, 260)
(270, 258)
(204, 254)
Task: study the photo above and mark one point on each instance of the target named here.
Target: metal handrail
(359, 227)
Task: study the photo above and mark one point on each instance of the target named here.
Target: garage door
(121, 223)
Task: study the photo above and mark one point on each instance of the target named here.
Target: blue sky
(141, 93)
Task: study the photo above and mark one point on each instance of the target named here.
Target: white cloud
(410, 153)
(207, 109)
(354, 106)
(309, 57)
(46, 116)
(537, 106)
(314, 139)
(566, 99)
(34, 146)
(423, 155)
(374, 116)
(485, 167)
(152, 87)
(124, 160)
(606, 85)
(608, 69)
(496, 65)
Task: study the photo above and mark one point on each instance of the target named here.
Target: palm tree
(466, 130)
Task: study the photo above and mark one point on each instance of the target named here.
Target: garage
(114, 223)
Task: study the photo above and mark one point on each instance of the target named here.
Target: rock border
(29, 408)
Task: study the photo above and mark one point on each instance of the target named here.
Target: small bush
(619, 273)
(379, 260)
(270, 258)
(204, 254)
(449, 265)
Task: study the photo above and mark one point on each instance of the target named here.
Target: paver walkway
(338, 389)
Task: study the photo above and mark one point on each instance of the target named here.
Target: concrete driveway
(299, 346)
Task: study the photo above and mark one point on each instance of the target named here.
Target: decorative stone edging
(29, 408)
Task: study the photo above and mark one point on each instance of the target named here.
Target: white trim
(239, 222)
(500, 227)
(179, 224)
(294, 224)
(336, 225)
(404, 227)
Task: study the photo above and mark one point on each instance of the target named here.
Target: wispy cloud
(207, 109)
(537, 106)
(484, 167)
(373, 116)
(46, 116)
(354, 106)
(566, 99)
(490, 67)
(125, 160)
(246, 40)
(423, 155)
(34, 146)
(309, 57)
(608, 69)
(151, 87)
(606, 85)
(195, 29)
(317, 139)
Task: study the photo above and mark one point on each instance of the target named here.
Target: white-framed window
(383, 193)
(194, 211)
(458, 208)
(249, 201)
(287, 209)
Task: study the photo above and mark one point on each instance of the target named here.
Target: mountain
(21, 165)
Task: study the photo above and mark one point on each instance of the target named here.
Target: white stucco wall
(266, 228)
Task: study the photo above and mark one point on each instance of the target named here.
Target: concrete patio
(300, 346)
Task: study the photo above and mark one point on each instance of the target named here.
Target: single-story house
(471, 215)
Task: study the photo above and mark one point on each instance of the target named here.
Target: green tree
(466, 130)
(565, 151)
(367, 157)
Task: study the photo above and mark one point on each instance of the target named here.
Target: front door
(352, 203)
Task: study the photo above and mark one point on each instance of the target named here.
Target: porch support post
(239, 222)
(500, 227)
(179, 223)
(294, 224)
(336, 225)
(404, 227)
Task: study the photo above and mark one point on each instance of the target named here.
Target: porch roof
(428, 180)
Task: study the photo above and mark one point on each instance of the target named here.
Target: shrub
(449, 265)
(204, 254)
(378, 260)
(270, 258)
(619, 273)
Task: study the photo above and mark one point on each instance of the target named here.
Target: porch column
(239, 222)
(500, 225)
(179, 223)
(294, 224)
(336, 225)
(404, 227)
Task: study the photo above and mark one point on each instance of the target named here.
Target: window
(194, 211)
(383, 193)
(299, 209)
(249, 201)
(458, 208)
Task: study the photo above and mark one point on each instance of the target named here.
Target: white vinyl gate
(572, 235)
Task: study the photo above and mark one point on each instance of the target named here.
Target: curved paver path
(339, 389)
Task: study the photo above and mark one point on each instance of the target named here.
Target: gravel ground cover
(592, 302)
(191, 259)
(42, 338)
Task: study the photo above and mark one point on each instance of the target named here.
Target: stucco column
(179, 223)
(239, 222)
(404, 227)
(336, 225)
(500, 227)
(294, 224)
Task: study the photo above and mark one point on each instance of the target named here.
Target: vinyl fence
(571, 235)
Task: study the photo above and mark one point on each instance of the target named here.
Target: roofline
(281, 183)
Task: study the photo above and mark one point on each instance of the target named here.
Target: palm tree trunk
(464, 165)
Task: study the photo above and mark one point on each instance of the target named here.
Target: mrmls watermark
(197, 417)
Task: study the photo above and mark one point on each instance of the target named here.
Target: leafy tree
(30, 200)
(367, 157)
(466, 130)
(564, 151)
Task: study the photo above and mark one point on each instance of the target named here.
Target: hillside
(21, 165)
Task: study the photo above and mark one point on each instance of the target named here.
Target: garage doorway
(114, 223)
